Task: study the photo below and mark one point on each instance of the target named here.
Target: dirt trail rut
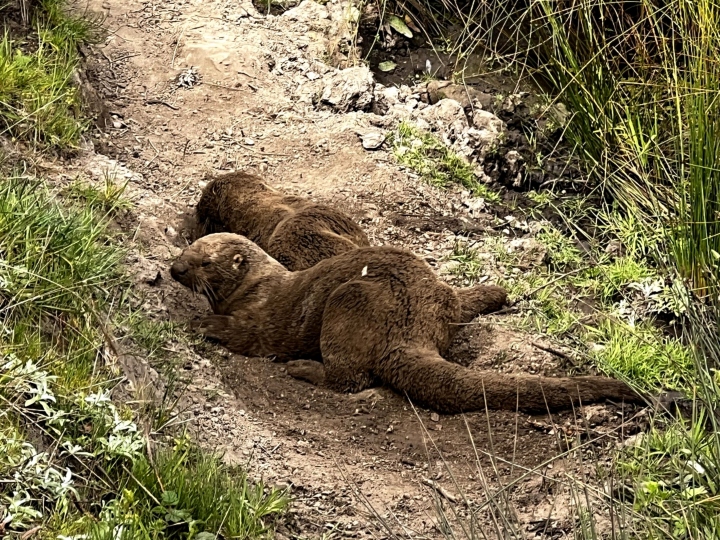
(253, 109)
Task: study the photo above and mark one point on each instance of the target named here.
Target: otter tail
(431, 381)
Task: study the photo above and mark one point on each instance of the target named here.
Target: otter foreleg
(228, 332)
(216, 327)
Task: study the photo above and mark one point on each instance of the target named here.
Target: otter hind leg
(350, 340)
(480, 300)
(307, 370)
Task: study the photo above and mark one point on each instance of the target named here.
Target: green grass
(186, 493)
(465, 263)
(641, 353)
(107, 198)
(61, 288)
(38, 101)
(429, 157)
(624, 296)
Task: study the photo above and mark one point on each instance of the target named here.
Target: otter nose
(178, 270)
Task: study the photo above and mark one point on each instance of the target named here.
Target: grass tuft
(435, 162)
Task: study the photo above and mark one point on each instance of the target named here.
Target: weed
(108, 198)
(562, 252)
(542, 199)
(465, 263)
(640, 353)
(38, 100)
(59, 276)
(435, 162)
(151, 335)
(185, 491)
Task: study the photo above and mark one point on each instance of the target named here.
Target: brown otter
(373, 314)
(296, 232)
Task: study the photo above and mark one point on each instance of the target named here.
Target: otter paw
(307, 370)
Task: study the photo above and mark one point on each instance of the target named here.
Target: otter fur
(296, 232)
(376, 314)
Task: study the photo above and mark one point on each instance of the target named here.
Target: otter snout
(179, 272)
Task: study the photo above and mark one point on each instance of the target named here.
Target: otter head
(217, 264)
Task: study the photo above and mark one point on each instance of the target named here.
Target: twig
(177, 44)
(246, 147)
(30, 533)
(555, 280)
(552, 350)
(246, 74)
(161, 102)
(441, 490)
(222, 86)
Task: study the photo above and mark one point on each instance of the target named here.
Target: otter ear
(237, 259)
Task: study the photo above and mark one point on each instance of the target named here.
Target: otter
(296, 232)
(373, 315)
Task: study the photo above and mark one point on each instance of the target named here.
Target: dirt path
(253, 108)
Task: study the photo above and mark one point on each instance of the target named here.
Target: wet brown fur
(377, 314)
(296, 232)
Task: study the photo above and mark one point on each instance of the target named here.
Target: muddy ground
(250, 110)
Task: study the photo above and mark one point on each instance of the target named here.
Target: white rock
(372, 140)
(348, 90)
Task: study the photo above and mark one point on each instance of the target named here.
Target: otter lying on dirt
(374, 314)
(296, 232)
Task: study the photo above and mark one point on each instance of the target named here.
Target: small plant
(465, 263)
(38, 99)
(435, 162)
(641, 354)
(107, 198)
(562, 252)
(151, 335)
(185, 491)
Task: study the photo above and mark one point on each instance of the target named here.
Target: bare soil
(334, 451)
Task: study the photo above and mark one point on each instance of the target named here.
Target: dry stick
(441, 490)
(551, 350)
(32, 532)
(552, 281)
(370, 509)
(222, 86)
(177, 44)
(161, 102)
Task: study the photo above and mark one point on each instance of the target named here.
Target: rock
(385, 99)
(347, 90)
(485, 120)
(615, 248)
(447, 117)
(468, 96)
(529, 251)
(512, 168)
(307, 12)
(372, 140)
(475, 205)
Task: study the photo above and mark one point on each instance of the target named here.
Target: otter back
(293, 230)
